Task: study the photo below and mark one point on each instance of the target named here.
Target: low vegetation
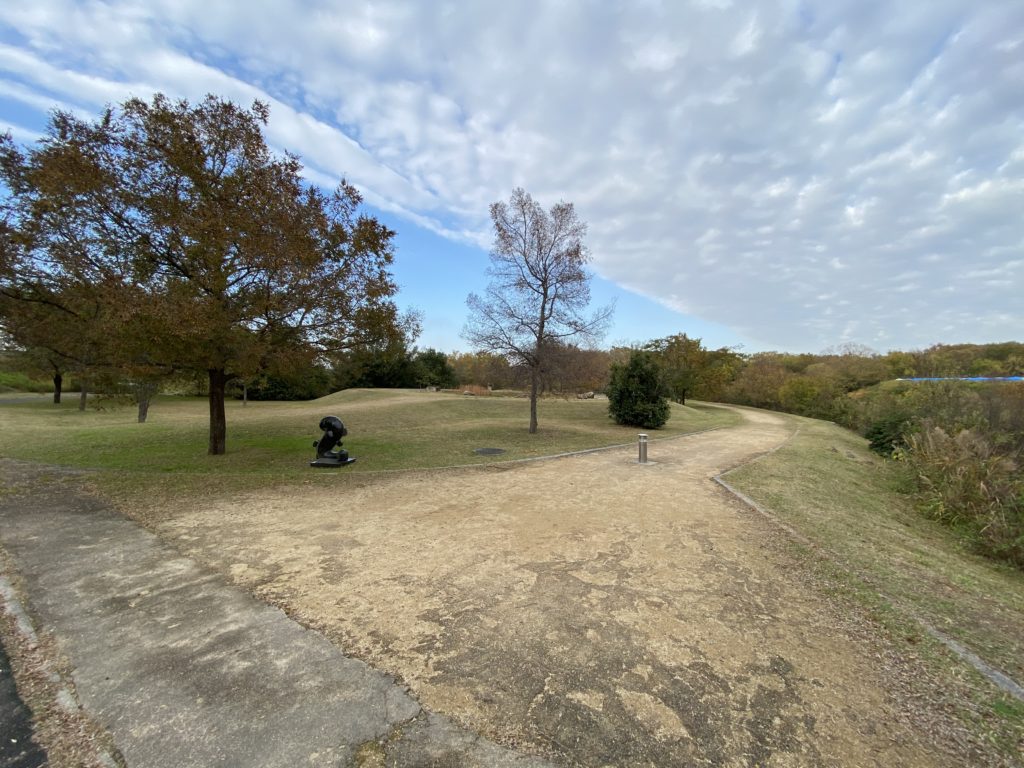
(907, 572)
(636, 392)
(965, 482)
(20, 382)
(960, 443)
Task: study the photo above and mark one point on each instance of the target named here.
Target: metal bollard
(642, 445)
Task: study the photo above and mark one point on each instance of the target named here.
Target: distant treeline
(814, 385)
(960, 442)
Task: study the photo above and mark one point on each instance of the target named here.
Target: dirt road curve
(587, 608)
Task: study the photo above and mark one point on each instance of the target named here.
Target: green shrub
(637, 395)
(304, 384)
(813, 396)
(886, 434)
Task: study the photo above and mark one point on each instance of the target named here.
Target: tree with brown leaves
(205, 251)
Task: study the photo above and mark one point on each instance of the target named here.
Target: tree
(569, 369)
(636, 392)
(434, 370)
(70, 327)
(855, 366)
(539, 289)
(64, 288)
(807, 395)
(60, 329)
(682, 360)
(720, 369)
(386, 361)
(691, 370)
(759, 381)
(482, 368)
(208, 252)
(305, 382)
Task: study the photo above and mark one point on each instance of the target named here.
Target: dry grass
(270, 443)
(905, 571)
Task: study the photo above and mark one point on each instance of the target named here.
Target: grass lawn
(271, 442)
(898, 565)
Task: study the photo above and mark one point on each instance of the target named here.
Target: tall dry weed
(965, 482)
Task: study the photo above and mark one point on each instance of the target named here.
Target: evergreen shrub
(637, 395)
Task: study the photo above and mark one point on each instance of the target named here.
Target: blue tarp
(964, 378)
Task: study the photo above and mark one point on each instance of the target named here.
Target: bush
(304, 384)
(636, 392)
(886, 434)
(965, 483)
(434, 370)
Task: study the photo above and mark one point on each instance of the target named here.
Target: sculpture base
(339, 459)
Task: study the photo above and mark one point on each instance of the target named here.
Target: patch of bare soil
(586, 608)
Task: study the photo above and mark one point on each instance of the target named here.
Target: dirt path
(168, 666)
(587, 608)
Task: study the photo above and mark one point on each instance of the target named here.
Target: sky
(791, 175)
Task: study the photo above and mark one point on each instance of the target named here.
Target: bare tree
(539, 289)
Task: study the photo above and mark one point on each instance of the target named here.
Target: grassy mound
(271, 442)
(906, 571)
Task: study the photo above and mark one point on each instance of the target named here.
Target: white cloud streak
(805, 173)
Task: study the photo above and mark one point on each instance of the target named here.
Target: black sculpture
(326, 456)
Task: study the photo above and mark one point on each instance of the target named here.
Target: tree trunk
(245, 394)
(218, 422)
(144, 396)
(58, 382)
(538, 361)
(83, 396)
(534, 387)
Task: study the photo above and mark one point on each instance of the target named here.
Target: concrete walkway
(17, 750)
(186, 670)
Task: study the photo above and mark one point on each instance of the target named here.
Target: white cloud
(732, 162)
(746, 41)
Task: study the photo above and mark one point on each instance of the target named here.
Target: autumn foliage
(165, 236)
